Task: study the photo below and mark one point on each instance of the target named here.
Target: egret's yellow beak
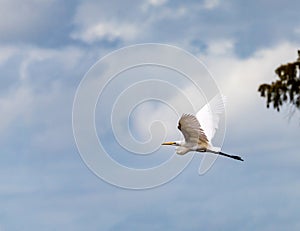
(168, 143)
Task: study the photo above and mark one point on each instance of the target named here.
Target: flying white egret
(198, 138)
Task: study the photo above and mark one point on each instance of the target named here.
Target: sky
(46, 49)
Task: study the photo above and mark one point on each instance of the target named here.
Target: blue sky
(46, 47)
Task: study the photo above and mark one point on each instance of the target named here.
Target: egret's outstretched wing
(209, 115)
(191, 130)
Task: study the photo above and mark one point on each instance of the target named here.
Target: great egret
(198, 138)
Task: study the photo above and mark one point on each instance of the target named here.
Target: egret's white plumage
(209, 115)
(198, 137)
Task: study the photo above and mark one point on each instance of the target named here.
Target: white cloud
(167, 13)
(93, 22)
(211, 4)
(36, 96)
(32, 56)
(67, 58)
(6, 53)
(106, 31)
(17, 104)
(220, 47)
(157, 2)
(56, 104)
(152, 3)
(146, 114)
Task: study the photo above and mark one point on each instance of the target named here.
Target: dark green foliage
(286, 89)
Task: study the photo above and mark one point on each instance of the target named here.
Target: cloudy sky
(46, 47)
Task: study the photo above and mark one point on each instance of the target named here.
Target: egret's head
(174, 143)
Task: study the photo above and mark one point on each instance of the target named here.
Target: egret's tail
(231, 156)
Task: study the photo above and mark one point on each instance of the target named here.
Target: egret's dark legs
(220, 153)
(231, 156)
